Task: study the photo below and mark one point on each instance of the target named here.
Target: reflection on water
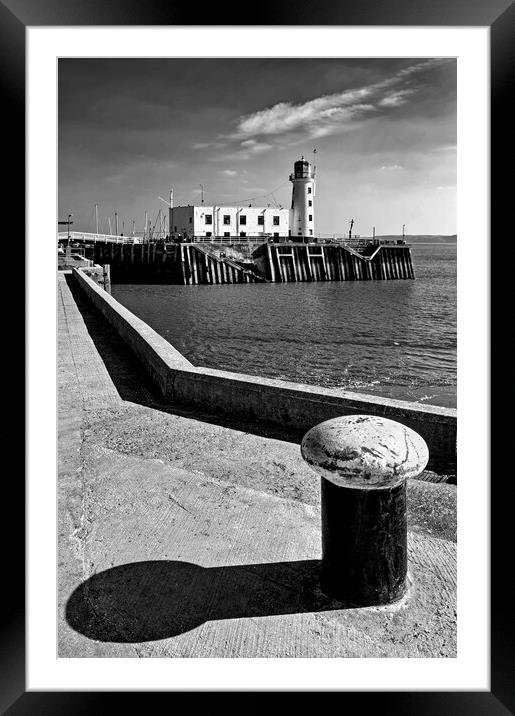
(392, 338)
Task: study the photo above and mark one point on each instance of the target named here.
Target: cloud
(396, 99)
(229, 172)
(208, 145)
(314, 115)
(446, 148)
(254, 147)
(329, 114)
(391, 167)
(246, 150)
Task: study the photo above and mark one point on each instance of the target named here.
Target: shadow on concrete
(132, 382)
(147, 601)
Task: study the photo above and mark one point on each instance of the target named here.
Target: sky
(384, 131)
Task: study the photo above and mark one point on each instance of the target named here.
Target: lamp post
(69, 217)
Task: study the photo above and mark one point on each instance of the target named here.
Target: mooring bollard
(364, 462)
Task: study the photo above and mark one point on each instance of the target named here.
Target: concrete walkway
(183, 537)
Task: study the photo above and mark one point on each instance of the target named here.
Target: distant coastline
(421, 238)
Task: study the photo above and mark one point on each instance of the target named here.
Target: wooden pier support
(191, 264)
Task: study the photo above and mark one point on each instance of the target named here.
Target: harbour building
(258, 222)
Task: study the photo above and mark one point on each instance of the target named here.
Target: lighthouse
(302, 201)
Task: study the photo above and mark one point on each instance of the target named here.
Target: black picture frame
(499, 15)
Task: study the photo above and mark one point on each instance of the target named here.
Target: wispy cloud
(396, 98)
(208, 145)
(229, 172)
(391, 167)
(322, 116)
(243, 150)
(446, 148)
(316, 116)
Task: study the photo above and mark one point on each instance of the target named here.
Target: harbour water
(391, 338)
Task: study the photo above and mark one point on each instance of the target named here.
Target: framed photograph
(176, 537)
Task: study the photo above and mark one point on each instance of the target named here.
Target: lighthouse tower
(302, 201)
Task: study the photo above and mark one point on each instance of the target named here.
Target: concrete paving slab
(179, 537)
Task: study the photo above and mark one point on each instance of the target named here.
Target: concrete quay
(183, 535)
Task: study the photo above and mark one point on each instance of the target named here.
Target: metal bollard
(364, 462)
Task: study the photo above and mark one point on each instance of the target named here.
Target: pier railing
(354, 242)
(84, 236)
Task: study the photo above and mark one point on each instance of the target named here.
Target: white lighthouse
(302, 201)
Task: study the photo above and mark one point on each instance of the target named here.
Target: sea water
(391, 338)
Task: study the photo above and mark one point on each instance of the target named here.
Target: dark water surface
(391, 338)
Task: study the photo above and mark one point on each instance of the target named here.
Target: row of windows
(243, 220)
(227, 234)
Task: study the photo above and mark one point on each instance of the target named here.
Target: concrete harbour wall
(157, 355)
(254, 398)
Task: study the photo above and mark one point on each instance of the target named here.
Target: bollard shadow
(133, 384)
(148, 601)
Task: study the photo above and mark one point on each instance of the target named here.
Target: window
(208, 233)
(311, 232)
(309, 190)
(243, 233)
(311, 217)
(209, 219)
(226, 233)
(276, 235)
(310, 203)
(191, 219)
(276, 221)
(243, 220)
(261, 220)
(227, 219)
(175, 228)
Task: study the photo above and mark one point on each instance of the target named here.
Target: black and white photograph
(257, 357)
(259, 256)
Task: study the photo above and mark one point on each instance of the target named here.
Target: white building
(251, 221)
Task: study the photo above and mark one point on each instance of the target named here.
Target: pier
(189, 524)
(234, 260)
